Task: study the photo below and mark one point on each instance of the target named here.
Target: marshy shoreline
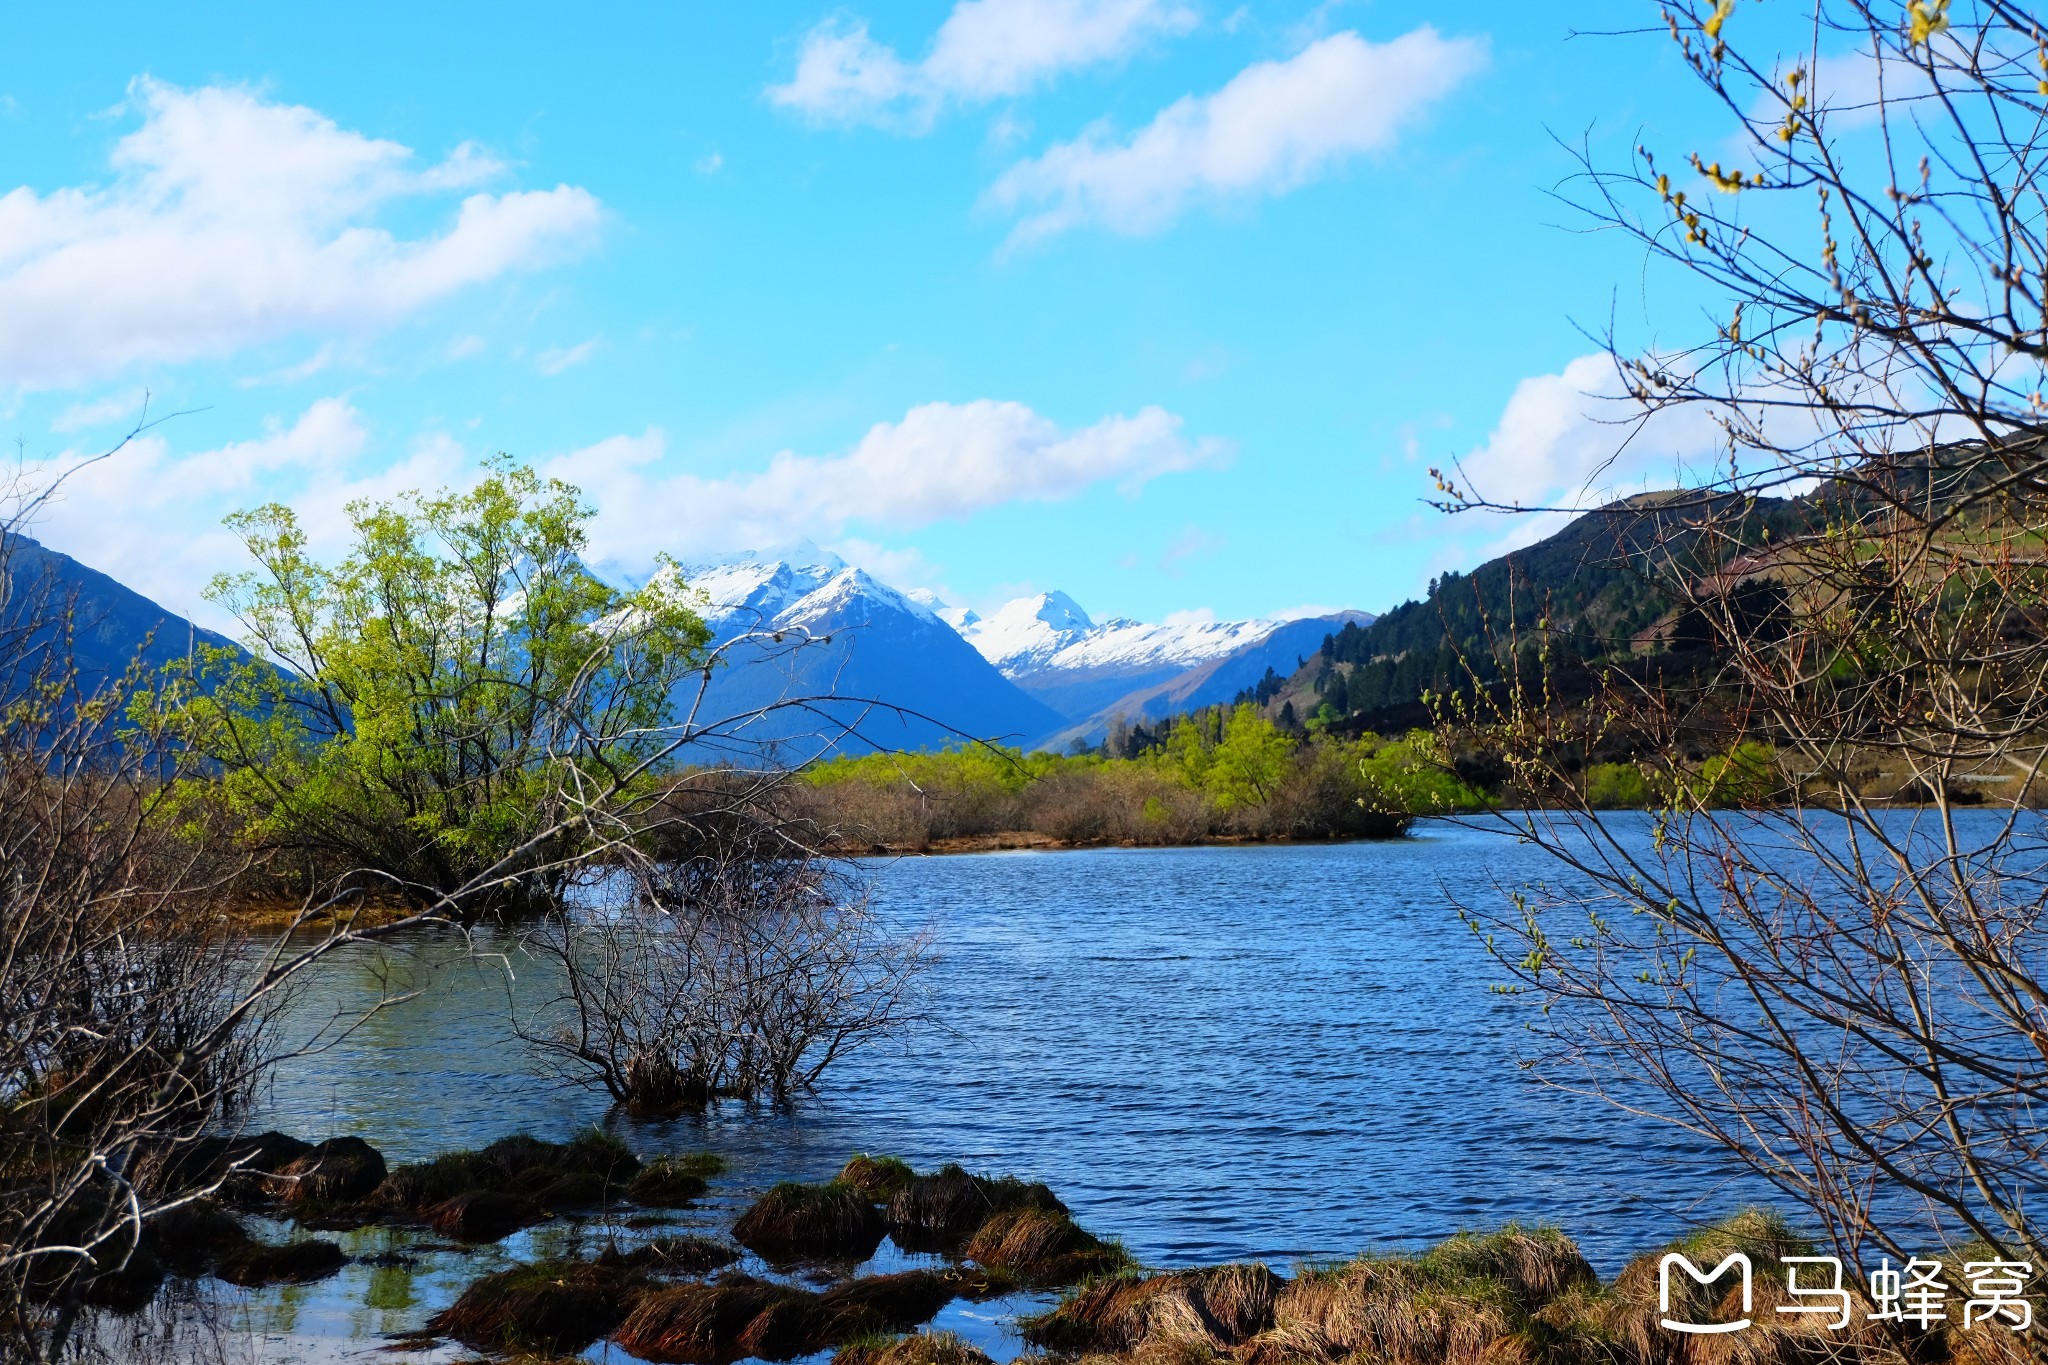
(800, 1271)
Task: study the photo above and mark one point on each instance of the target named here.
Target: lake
(1269, 1052)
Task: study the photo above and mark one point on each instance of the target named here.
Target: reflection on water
(1273, 1053)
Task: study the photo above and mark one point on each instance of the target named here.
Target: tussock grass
(738, 1315)
(338, 1171)
(563, 1175)
(193, 1236)
(702, 1324)
(551, 1306)
(1217, 1307)
(885, 1303)
(1465, 1301)
(1396, 1309)
(483, 1215)
(576, 1190)
(877, 1177)
(794, 1221)
(1043, 1248)
(1104, 1317)
(669, 1182)
(921, 1348)
(941, 1211)
(259, 1263)
(1626, 1318)
(678, 1256)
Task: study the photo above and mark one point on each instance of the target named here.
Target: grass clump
(1043, 1248)
(794, 1222)
(483, 1215)
(878, 1177)
(260, 1263)
(191, 1237)
(704, 1324)
(550, 1306)
(1217, 1307)
(580, 1173)
(337, 1171)
(920, 1348)
(669, 1182)
(884, 1303)
(738, 1315)
(942, 1211)
(679, 1256)
(1470, 1299)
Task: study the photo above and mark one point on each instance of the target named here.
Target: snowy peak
(1050, 633)
(801, 586)
(1026, 633)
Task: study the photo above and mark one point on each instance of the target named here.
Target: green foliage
(1414, 776)
(1747, 775)
(414, 709)
(1616, 786)
(1234, 760)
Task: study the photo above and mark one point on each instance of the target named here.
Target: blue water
(1213, 1053)
(1281, 1053)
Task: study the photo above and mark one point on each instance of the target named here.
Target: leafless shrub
(742, 964)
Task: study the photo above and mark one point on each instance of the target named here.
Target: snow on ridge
(1049, 633)
(800, 586)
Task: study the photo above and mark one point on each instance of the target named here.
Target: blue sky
(1167, 303)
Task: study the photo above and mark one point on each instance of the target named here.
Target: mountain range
(1038, 672)
(822, 655)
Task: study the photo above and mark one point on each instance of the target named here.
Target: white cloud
(231, 220)
(1304, 610)
(465, 346)
(556, 359)
(151, 517)
(941, 461)
(904, 568)
(127, 406)
(986, 50)
(1191, 544)
(708, 164)
(1275, 127)
(1573, 441)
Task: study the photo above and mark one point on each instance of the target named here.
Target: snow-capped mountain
(1049, 631)
(799, 586)
(1094, 671)
(858, 665)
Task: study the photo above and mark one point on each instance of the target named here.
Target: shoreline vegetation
(1220, 775)
(668, 1290)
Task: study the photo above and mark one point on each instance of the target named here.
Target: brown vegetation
(942, 1211)
(549, 1306)
(738, 1315)
(741, 966)
(336, 1171)
(1269, 785)
(794, 1221)
(919, 1348)
(877, 1177)
(483, 1215)
(673, 1181)
(254, 1263)
(1042, 1247)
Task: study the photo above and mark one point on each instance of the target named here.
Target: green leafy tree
(435, 708)
(1250, 762)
